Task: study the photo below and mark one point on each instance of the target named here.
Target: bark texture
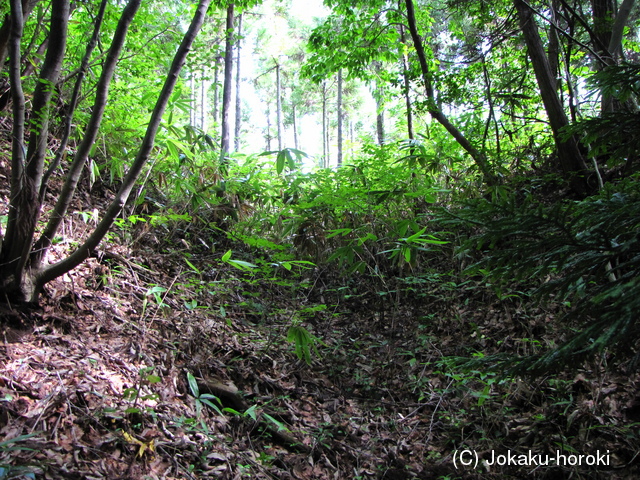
(225, 136)
(570, 157)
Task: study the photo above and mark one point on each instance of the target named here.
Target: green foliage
(353, 38)
(134, 394)
(612, 135)
(206, 399)
(8, 471)
(586, 253)
(289, 157)
(303, 341)
(239, 264)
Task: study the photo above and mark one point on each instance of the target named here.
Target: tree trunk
(238, 102)
(27, 7)
(216, 86)
(432, 106)
(380, 123)
(279, 106)
(608, 28)
(24, 284)
(193, 103)
(26, 172)
(76, 258)
(294, 121)
(340, 119)
(603, 16)
(569, 154)
(325, 127)
(615, 40)
(73, 102)
(91, 133)
(268, 127)
(554, 41)
(407, 84)
(378, 96)
(225, 144)
(203, 98)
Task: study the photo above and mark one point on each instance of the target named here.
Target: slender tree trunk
(340, 119)
(193, 104)
(26, 174)
(603, 17)
(279, 106)
(73, 102)
(352, 137)
(609, 28)
(225, 144)
(380, 123)
(615, 42)
(569, 154)
(407, 84)
(325, 127)
(238, 102)
(295, 123)
(216, 87)
(432, 106)
(24, 284)
(572, 99)
(554, 41)
(603, 14)
(91, 133)
(17, 94)
(378, 97)
(491, 117)
(203, 98)
(5, 29)
(53, 271)
(268, 127)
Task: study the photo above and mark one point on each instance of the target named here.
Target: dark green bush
(585, 253)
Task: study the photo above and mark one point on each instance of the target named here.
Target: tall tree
(406, 83)
(432, 104)
(225, 136)
(569, 152)
(279, 104)
(27, 171)
(325, 126)
(339, 113)
(238, 98)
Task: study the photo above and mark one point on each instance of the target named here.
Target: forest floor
(112, 376)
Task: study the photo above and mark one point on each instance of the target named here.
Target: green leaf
(280, 159)
(211, 405)
(416, 235)
(339, 231)
(251, 412)
(281, 426)
(192, 266)
(193, 385)
(153, 379)
(242, 265)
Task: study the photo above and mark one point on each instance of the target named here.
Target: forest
(285, 239)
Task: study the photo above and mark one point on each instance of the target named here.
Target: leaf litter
(94, 382)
